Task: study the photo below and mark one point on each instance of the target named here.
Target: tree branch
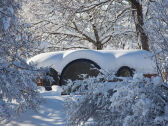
(87, 8)
(83, 34)
(4, 13)
(110, 36)
(57, 33)
(78, 47)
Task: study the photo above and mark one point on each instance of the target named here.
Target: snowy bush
(131, 102)
(17, 88)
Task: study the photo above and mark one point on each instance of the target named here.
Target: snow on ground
(51, 112)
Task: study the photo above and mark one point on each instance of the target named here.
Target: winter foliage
(17, 79)
(112, 24)
(156, 27)
(137, 101)
(76, 24)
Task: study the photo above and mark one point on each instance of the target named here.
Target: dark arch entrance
(77, 67)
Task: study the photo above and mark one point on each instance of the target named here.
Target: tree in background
(83, 24)
(17, 82)
(138, 14)
(137, 9)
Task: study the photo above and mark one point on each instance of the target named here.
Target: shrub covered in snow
(18, 90)
(131, 102)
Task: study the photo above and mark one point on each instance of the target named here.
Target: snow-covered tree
(17, 79)
(156, 28)
(79, 24)
(131, 102)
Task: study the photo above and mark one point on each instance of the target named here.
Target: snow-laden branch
(91, 6)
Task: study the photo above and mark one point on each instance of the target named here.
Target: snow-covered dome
(108, 60)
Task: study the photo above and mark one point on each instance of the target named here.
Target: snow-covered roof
(108, 60)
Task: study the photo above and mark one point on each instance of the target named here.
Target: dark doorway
(78, 67)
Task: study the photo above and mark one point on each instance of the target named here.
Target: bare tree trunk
(139, 23)
(99, 45)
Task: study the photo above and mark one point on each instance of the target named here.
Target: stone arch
(80, 66)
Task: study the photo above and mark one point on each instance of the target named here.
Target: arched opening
(78, 67)
(125, 71)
